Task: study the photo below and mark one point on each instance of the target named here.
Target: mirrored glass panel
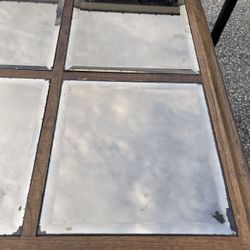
(130, 41)
(134, 158)
(21, 111)
(29, 32)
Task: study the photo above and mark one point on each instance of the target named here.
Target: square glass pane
(29, 32)
(130, 41)
(21, 111)
(134, 158)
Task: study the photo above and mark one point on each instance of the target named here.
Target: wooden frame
(228, 143)
(132, 8)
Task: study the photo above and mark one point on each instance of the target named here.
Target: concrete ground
(233, 52)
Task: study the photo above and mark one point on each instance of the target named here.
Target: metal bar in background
(222, 19)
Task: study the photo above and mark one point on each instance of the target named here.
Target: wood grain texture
(35, 197)
(135, 77)
(125, 242)
(17, 73)
(234, 163)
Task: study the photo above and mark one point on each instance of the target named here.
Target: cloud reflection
(21, 110)
(29, 33)
(100, 39)
(148, 170)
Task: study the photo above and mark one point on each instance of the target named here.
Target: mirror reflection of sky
(28, 33)
(101, 39)
(134, 158)
(21, 110)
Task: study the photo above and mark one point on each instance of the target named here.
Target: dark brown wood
(234, 163)
(130, 8)
(34, 202)
(125, 242)
(136, 77)
(17, 73)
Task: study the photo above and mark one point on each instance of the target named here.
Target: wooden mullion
(35, 196)
(135, 77)
(18, 73)
(129, 8)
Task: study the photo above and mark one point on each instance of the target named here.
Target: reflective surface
(134, 158)
(21, 110)
(130, 41)
(28, 32)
